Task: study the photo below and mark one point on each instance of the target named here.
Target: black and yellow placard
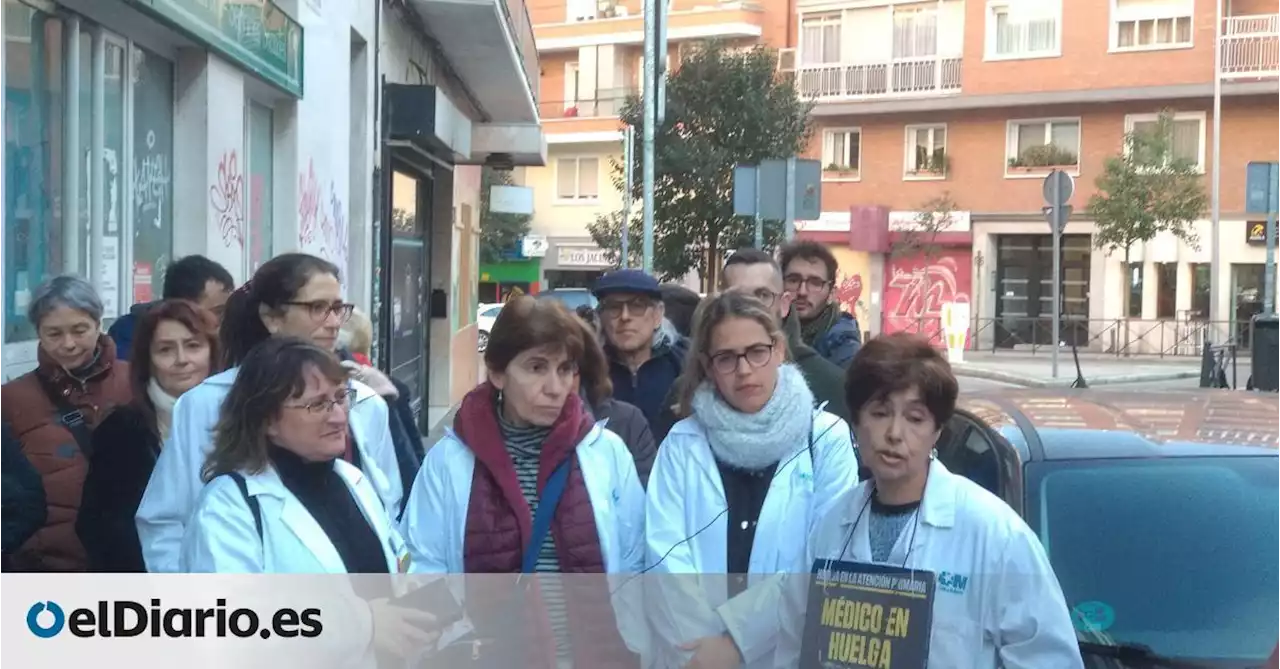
(865, 615)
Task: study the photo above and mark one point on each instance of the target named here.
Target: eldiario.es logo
(124, 618)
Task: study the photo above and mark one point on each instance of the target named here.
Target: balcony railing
(608, 102)
(1251, 46)
(517, 12)
(904, 77)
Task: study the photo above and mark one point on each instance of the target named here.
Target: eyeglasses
(764, 295)
(793, 281)
(635, 305)
(342, 398)
(320, 309)
(726, 362)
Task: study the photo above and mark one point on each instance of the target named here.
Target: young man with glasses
(646, 354)
(809, 272)
(755, 272)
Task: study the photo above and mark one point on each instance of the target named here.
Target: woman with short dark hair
(525, 453)
(175, 347)
(53, 409)
(291, 295)
(916, 516)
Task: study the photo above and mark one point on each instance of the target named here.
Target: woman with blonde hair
(736, 486)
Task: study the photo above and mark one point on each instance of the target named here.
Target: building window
(1187, 138)
(1037, 146)
(152, 172)
(926, 156)
(820, 40)
(1023, 29)
(260, 141)
(570, 86)
(1166, 290)
(1247, 281)
(578, 179)
(1139, 25)
(1135, 290)
(915, 33)
(841, 154)
(1200, 273)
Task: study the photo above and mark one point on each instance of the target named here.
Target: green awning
(515, 271)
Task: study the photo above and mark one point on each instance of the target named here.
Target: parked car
(485, 316)
(1159, 512)
(571, 297)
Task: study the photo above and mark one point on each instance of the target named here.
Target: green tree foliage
(724, 107)
(499, 233)
(1145, 191)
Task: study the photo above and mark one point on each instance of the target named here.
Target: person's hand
(399, 630)
(372, 377)
(713, 652)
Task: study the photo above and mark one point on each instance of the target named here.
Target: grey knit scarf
(757, 440)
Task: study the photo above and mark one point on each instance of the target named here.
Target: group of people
(766, 441)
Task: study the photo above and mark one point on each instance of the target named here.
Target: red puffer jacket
(499, 522)
(53, 450)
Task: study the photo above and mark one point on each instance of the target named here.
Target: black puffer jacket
(628, 422)
(125, 449)
(23, 503)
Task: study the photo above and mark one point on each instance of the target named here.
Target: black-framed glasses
(726, 362)
(764, 295)
(635, 305)
(320, 309)
(342, 398)
(794, 281)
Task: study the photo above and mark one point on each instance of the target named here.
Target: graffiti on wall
(151, 180)
(914, 294)
(322, 226)
(851, 285)
(226, 195)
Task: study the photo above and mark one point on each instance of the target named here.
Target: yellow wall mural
(853, 281)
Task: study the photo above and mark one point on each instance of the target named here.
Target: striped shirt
(524, 444)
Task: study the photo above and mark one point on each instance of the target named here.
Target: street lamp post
(1215, 207)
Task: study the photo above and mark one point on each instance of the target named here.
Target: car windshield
(491, 312)
(1177, 554)
(571, 298)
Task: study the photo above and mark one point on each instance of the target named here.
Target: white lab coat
(222, 537)
(175, 484)
(1001, 605)
(435, 518)
(686, 495)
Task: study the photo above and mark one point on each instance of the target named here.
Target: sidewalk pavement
(1036, 370)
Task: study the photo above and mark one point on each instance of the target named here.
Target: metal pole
(1057, 270)
(1269, 299)
(759, 236)
(650, 106)
(660, 64)
(628, 160)
(790, 229)
(1215, 207)
(71, 155)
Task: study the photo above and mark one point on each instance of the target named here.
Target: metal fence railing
(1118, 336)
(607, 102)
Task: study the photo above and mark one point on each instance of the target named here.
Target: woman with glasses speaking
(291, 295)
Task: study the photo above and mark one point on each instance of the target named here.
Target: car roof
(1063, 424)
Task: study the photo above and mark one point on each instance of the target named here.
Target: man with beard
(809, 273)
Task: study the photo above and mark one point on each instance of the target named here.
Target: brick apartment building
(975, 98)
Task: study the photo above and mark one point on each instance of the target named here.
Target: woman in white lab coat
(997, 602)
(735, 488)
(281, 500)
(294, 295)
(527, 481)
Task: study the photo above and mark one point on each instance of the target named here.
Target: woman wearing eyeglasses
(291, 295)
(281, 499)
(736, 486)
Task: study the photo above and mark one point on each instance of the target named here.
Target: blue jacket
(404, 432)
(650, 387)
(122, 330)
(841, 342)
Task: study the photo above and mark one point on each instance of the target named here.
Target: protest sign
(865, 615)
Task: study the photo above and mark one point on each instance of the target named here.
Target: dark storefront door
(408, 269)
(1024, 281)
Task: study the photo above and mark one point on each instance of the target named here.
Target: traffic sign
(1065, 184)
(1062, 222)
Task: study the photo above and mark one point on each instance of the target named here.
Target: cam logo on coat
(952, 583)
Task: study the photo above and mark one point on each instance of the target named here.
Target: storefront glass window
(33, 159)
(152, 172)
(260, 138)
(1246, 297)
